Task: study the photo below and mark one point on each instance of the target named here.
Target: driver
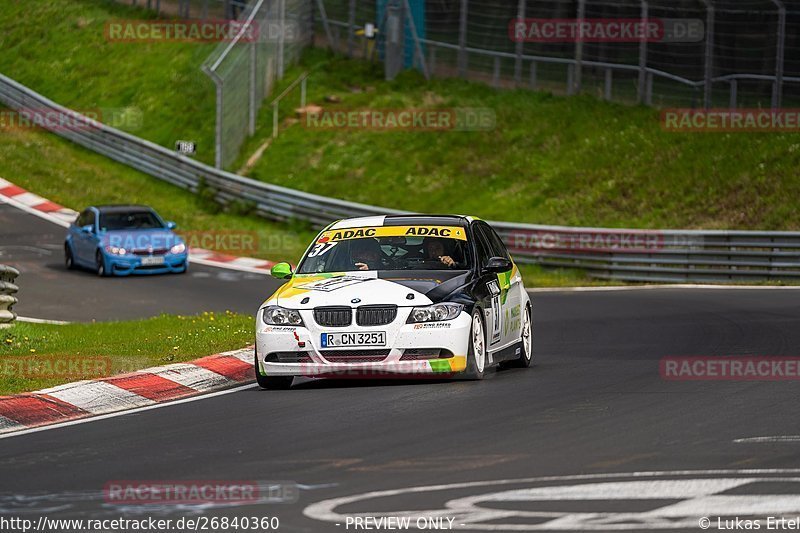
(435, 251)
(366, 254)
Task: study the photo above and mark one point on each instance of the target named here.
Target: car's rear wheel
(271, 382)
(526, 340)
(100, 264)
(69, 261)
(476, 356)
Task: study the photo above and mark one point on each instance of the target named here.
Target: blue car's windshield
(131, 220)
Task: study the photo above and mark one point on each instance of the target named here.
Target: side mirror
(87, 229)
(171, 225)
(497, 265)
(281, 271)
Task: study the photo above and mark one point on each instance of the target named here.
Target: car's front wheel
(100, 264)
(476, 356)
(271, 382)
(69, 260)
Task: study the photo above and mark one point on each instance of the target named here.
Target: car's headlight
(116, 250)
(178, 248)
(280, 316)
(435, 312)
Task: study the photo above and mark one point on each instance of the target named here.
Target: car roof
(122, 208)
(402, 220)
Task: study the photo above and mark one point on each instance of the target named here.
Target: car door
(510, 297)
(490, 286)
(86, 243)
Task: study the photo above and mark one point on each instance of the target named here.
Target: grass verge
(28, 351)
(550, 159)
(154, 90)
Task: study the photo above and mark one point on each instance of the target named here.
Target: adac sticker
(447, 232)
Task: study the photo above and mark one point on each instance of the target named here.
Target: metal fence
(199, 9)
(636, 255)
(749, 55)
(8, 289)
(273, 35)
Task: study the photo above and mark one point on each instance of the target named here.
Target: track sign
(186, 147)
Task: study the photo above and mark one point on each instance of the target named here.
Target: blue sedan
(124, 239)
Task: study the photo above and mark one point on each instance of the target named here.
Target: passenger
(366, 254)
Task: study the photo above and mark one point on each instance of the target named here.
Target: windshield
(388, 248)
(131, 220)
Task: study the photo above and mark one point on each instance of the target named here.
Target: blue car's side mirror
(87, 229)
(171, 225)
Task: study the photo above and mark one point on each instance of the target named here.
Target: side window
(482, 245)
(82, 218)
(498, 248)
(89, 219)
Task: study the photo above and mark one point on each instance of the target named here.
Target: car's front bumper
(132, 264)
(451, 338)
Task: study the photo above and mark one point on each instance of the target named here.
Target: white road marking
(775, 438)
(702, 495)
(661, 286)
(41, 321)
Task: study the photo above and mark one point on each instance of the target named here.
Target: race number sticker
(331, 284)
(494, 289)
(321, 248)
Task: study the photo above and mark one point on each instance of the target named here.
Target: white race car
(411, 295)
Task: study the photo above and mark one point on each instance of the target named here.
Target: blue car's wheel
(100, 264)
(69, 261)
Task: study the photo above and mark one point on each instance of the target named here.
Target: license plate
(365, 338)
(149, 261)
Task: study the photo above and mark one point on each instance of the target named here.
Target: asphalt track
(593, 404)
(49, 291)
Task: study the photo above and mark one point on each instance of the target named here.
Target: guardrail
(624, 254)
(7, 291)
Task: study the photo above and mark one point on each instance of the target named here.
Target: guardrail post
(496, 72)
(253, 106)
(281, 39)
(709, 62)
(351, 27)
(777, 88)
(608, 84)
(8, 288)
(577, 79)
(734, 95)
(645, 13)
(462, 39)
(519, 44)
(532, 80)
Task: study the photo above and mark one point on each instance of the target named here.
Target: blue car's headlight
(280, 316)
(178, 248)
(435, 313)
(116, 250)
